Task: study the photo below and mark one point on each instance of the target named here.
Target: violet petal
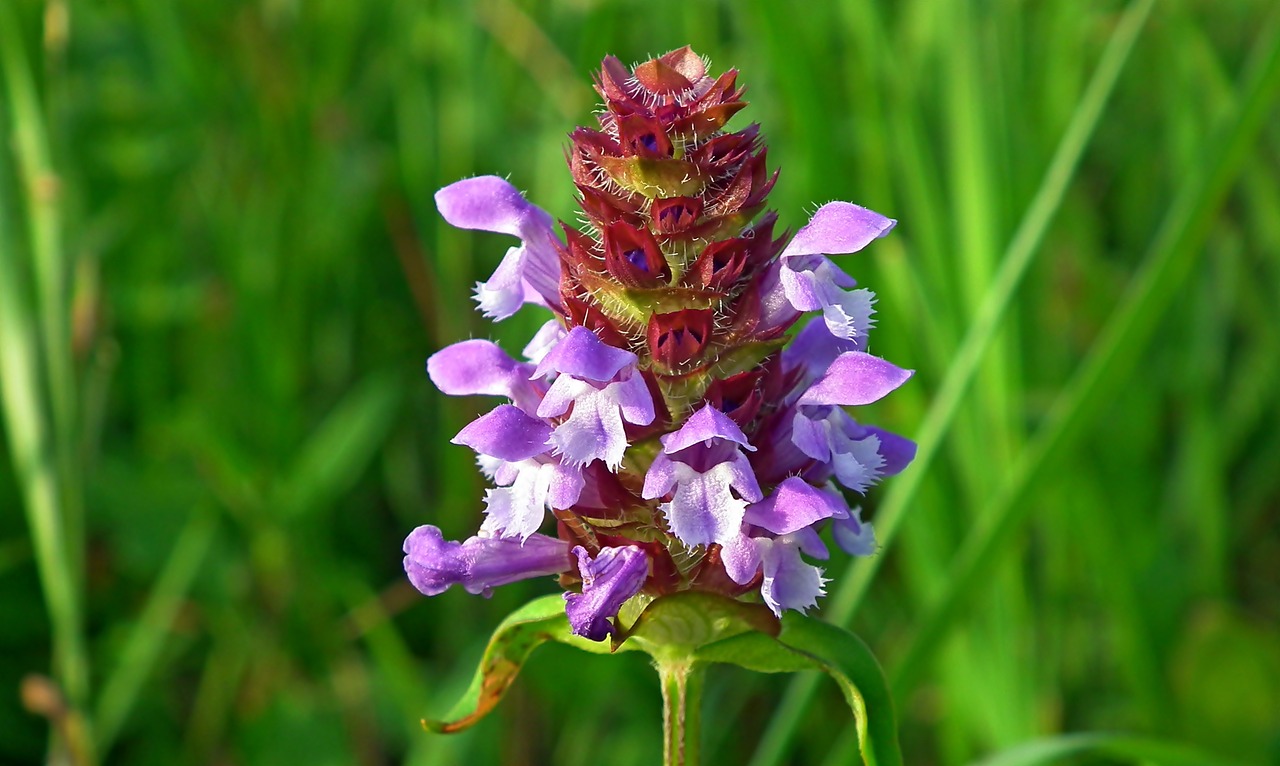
(583, 355)
(593, 430)
(789, 582)
(741, 558)
(506, 432)
(490, 203)
(705, 424)
(794, 505)
(545, 339)
(810, 542)
(856, 378)
(661, 477)
(608, 580)
(854, 536)
(737, 470)
(804, 287)
(478, 367)
(810, 436)
(848, 315)
(838, 228)
(517, 510)
(566, 485)
(480, 564)
(504, 292)
(856, 464)
(703, 510)
(897, 451)
(634, 400)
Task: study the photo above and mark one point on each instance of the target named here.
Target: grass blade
(30, 409)
(1168, 262)
(142, 648)
(1110, 746)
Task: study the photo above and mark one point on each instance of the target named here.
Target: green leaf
(758, 652)
(691, 629)
(807, 643)
(524, 630)
(682, 622)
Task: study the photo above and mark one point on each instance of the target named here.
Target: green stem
(681, 709)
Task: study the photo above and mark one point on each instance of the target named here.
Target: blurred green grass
(221, 270)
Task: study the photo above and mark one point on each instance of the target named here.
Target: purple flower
(812, 282)
(529, 273)
(713, 480)
(788, 582)
(529, 479)
(602, 386)
(794, 505)
(656, 405)
(857, 455)
(481, 563)
(608, 580)
(778, 530)
(481, 367)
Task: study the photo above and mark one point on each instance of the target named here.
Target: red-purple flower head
(676, 433)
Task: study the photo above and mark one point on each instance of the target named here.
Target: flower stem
(681, 709)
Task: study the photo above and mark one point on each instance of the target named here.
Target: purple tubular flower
(812, 282)
(857, 455)
(788, 581)
(529, 273)
(481, 367)
(529, 478)
(856, 378)
(603, 387)
(506, 433)
(704, 464)
(608, 580)
(479, 564)
(794, 505)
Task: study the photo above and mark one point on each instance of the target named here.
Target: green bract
(683, 633)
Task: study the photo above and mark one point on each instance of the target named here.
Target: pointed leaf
(807, 643)
(524, 630)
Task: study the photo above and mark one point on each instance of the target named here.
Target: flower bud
(678, 339)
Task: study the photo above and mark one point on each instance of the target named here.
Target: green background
(221, 270)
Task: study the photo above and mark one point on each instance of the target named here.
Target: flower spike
(678, 437)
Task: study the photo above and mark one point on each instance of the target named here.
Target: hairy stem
(681, 709)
